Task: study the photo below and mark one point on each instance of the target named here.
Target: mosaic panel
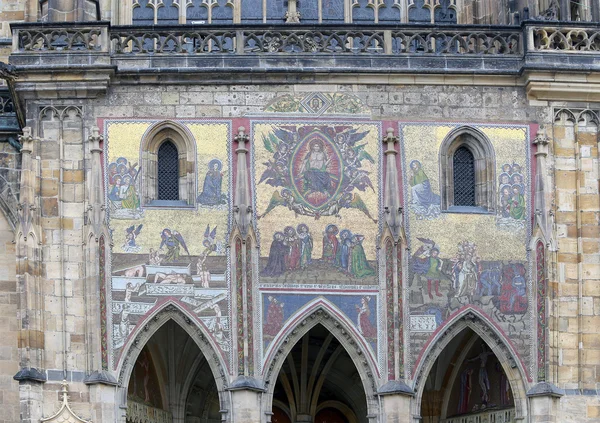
(168, 253)
(389, 298)
(460, 259)
(317, 202)
(542, 315)
(318, 104)
(359, 308)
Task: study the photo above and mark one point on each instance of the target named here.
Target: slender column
(241, 201)
(391, 200)
(542, 213)
(31, 342)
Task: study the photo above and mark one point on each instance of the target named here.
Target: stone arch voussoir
(151, 324)
(321, 311)
(495, 340)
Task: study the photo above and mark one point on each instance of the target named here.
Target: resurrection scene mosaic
(169, 252)
(453, 263)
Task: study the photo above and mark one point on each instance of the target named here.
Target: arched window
(168, 172)
(463, 164)
(467, 170)
(168, 166)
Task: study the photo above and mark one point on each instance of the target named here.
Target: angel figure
(274, 174)
(360, 180)
(210, 245)
(131, 234)
(286, 199)
(173, 241)
(347, 201)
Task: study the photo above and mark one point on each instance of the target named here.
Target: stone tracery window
(463, 164)
(467, 170)
(168, 171)
(168, 166)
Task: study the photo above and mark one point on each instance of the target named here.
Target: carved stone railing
(463, 49)
(313, 40)
(486, 416)
(63, 37)
(554, 38)
(141, 413)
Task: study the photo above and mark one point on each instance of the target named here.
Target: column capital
(95, 139)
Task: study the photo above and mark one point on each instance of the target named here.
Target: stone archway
(334, 331)
(485, 334)
(191, 375)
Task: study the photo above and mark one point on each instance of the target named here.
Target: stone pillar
(246, 401)
(544, 401)
(97, 363)
(31, 337)
(397, 399)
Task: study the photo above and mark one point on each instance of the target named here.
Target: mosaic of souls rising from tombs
(318, 170)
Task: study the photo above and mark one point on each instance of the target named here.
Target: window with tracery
(168, 166)
(463, 164)
(467, 170)
(168, 172)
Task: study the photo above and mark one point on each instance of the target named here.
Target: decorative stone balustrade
(487, 416)
(65, 37)
(566, 39)
(461, 49)
(328, 40)
(141, 413)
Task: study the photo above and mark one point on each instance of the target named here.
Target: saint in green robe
(517, 207)
(359, 266)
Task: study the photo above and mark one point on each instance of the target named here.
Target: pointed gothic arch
(182, 139)
(466, 138)
(321, 312)
(473, 319)
(171, 311)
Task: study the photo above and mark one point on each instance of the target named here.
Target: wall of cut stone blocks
(439, 103)
(9, 331)
(576, 281)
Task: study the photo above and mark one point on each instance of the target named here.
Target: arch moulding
(184, 141)
(495, 340)
(153, 322)
(324, 313)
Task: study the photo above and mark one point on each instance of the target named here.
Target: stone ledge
(30, 375)
(545, 389)
(102, 378)
(246, 383)
(396, 387)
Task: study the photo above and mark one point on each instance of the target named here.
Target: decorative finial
(541, 139)
(241, 135)
(390, 136)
